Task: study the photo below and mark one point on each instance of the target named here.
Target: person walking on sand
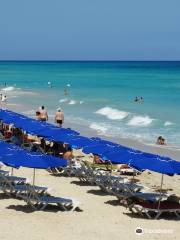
(43, 114)
(59, 117)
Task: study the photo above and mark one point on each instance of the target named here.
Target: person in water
(4, 98)
(59, 117)
(66, 92)
(141, 100)
(136, 99)
(160, 141)
(43, 114)
(38, 115)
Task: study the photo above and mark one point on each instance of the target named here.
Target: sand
(101, 218)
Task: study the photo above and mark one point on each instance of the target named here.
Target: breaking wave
(112, 113)
(167, 123)
(8, 89)
(101, 129)
(63, 100)
(72, 102)
(140, 121)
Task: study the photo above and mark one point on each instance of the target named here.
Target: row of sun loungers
(35, 196)
(138, 198)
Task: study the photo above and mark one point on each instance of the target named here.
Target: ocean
(100, 96)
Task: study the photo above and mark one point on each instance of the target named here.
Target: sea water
(100, 95)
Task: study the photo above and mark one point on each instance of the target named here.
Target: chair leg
(158, 214)
(147, 214)
(177, 214)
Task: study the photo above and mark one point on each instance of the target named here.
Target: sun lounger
(124, 190)
(107, 181)
(7, 183)
(86, 173)
(40, 201)
(148, 209)
(4, 173)
(24, 191)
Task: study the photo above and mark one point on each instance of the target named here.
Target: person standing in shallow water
(59, 117)
(43, 114)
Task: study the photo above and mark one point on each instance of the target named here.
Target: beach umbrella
(121, 155)
(35, 127)
(99, 149)
(156, 164)
(105, 142)
(14, 156)
(159, 164)
(79, 141)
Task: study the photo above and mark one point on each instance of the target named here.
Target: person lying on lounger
(98, 160)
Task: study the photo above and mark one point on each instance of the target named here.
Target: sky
(90, 30)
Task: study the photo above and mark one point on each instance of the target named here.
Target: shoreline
(160, 150)
(103, 208)
(166, 150)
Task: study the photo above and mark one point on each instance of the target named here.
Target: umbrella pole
(133, 174)
(34, 172)
(162, 177)
(12, 171)
(23, 139)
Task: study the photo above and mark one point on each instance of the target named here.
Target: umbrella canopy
(79, 141)
(14, 156)
(156, 164)
(99, 149)
(35, 127)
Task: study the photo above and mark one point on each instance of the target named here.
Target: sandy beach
(90, 120)
(101, 216)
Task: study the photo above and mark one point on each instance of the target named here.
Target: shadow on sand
(98, 192)
(28, 209)
(80, 183)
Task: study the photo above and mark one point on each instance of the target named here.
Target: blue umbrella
(105, 142)
(156, 164)
(79, 141)
(14, 156)
(121, 155)
(35, 127)
(99, 149)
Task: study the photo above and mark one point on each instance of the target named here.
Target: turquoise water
(101, 95)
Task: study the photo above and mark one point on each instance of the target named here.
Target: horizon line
(46, 60)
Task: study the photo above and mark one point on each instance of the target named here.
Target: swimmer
(66, 92)
(50, 84)
(136, 99)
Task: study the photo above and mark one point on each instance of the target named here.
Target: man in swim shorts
(59, 117)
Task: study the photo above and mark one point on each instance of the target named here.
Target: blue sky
(90, 30)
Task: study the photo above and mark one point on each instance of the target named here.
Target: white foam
(112, 113)
(81, 102)
(7, 89)
(63, 100)
(101, 129)
(68, 85)
(140, 121)
(167, 123)
(72, 102)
